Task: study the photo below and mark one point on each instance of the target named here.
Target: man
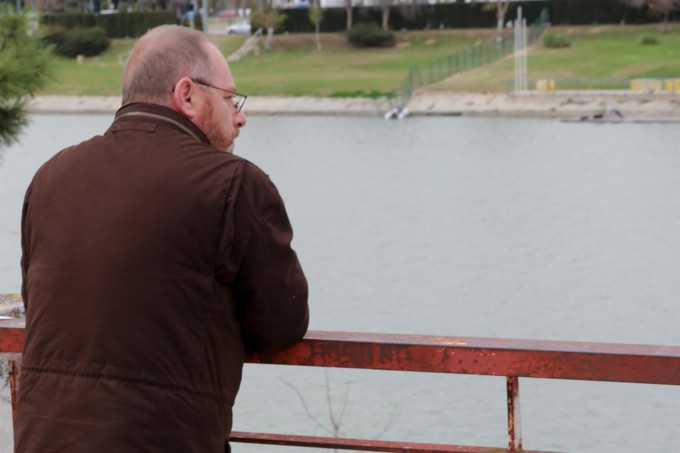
(152, 258)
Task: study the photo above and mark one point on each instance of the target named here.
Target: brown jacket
(151, 260)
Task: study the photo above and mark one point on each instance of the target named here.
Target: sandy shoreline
(563, 104)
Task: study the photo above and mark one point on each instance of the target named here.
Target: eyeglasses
(237, 99)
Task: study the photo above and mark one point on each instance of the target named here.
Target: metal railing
(509, 358)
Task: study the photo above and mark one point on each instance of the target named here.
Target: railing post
(14, 369)
(514, 418)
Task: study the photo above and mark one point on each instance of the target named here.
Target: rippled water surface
(517, 228)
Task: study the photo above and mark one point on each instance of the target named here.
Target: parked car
(298, 4)
(227, 14)
(239, 28)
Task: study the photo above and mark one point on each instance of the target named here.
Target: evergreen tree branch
(25, 67)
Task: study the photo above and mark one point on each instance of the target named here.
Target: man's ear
(182, 97)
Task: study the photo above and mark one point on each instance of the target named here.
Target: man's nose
(240, 119)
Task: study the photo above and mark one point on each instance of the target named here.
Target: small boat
(398, 113)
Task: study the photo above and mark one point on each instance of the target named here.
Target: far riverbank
(562, 104)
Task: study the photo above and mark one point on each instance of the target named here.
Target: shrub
(649, 39)
(370, 35)
(55, 34)
(198, 22)
(77, 41)
(556, 40)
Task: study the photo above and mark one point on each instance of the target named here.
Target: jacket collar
(160, 114)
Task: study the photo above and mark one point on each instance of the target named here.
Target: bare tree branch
(304, 405)
(389, 423)
(336, 420)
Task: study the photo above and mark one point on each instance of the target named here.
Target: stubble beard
(215, 135)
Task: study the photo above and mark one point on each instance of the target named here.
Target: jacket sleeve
(269, 286)
(25, 247)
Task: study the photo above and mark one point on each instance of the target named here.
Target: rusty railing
(509, 358)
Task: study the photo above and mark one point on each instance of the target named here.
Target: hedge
(473, 15)
(121, 25)
(77, 41)
(370, 35)
(443, 15)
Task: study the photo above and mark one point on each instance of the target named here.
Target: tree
(25, 67)
(264, 14)
(385, 6)
(348, 8)
(501, 7)
(660, 8)
(315, 17)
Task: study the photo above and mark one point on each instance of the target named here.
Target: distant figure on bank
(611, 112)
(153, 258)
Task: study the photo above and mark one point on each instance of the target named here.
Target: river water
(510, 228)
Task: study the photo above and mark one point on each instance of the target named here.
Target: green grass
(97, 76)
(595, 52)
(295, 68)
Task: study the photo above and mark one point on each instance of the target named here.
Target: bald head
(161, 57)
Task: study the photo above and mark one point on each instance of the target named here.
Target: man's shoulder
(70, 152)
(253, 170)
(254, 175)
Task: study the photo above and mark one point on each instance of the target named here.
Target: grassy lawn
(595, 52)
(97, 76)
(294, 68)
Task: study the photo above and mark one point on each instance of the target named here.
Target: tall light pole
(520, 52)
(204, 15)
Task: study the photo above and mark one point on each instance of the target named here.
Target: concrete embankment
(11, 305)
(563, 104)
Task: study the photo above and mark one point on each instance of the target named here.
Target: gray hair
(159, 59)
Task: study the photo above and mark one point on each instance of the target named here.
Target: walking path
(563, 104)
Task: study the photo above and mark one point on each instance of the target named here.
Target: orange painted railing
(512, 359)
